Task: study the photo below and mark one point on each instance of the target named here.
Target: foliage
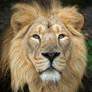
(89, 48)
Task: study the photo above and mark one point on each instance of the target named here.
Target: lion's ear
(72, 17)
(18, 21)
(15, 24)
(23, 15)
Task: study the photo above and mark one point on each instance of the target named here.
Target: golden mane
(21, 71)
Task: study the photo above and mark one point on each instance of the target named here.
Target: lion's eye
(36, 36)
(61, 36)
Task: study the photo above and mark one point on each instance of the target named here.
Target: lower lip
(50, 69)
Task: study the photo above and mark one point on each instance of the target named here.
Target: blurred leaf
(89, 49)
(89, 58)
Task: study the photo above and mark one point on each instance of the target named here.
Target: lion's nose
(51, 55)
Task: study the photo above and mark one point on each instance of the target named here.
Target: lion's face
(47, 45)
(44, 48)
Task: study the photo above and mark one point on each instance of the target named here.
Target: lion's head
(47, 51)
(48, 46)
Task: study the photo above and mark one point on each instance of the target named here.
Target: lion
(44, 48)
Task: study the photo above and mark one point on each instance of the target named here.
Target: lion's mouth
(50, 74)
(50, 69)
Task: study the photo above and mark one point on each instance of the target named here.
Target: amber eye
(36, 36)
(61, 36)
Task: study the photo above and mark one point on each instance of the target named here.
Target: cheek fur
(64, 43)
(33, 45)
(60, 63)
(41, 65)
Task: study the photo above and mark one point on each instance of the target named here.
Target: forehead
(43, 24)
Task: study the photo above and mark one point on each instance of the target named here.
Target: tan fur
(23, 70)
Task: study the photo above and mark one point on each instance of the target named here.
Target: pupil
(61, 36)
(36, 36)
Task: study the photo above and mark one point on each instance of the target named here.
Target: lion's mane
(13, 57)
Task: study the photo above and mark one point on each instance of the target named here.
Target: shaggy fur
(23, 67)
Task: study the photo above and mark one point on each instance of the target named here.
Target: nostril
(51, 55)
(57, 54)
(45, 55)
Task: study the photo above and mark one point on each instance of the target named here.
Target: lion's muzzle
(51, 73)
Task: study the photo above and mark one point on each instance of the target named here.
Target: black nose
(51, 55)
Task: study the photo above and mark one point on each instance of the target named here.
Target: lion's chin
(50, 76)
